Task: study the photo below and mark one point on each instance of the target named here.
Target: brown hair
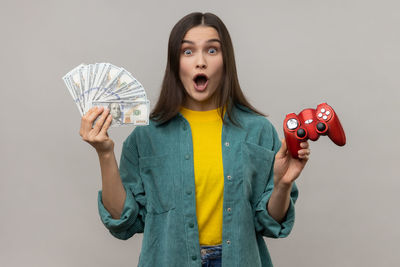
(173, 93)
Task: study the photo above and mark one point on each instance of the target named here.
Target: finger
(90, 111)
(100, 122)
(88, 119)
(304, 152)
(283, 150)
(304, 145)
(106, 125)
(304, 158)
(96, 112)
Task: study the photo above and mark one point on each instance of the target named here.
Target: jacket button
(187, 156)
(191, 225)
(229, 177)
(229, 209)
(194, 258)
(228, 242)
(227, 144)
(188, 192)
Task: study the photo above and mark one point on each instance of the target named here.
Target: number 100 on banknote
(136, 113)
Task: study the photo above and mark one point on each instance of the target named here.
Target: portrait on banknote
(115, 111)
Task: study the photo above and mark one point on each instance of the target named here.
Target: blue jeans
(211, 256)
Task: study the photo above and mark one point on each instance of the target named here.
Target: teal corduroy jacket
(156, 169)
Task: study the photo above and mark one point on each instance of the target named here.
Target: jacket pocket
(257, 167)
(158, 180)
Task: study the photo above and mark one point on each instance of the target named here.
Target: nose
(201, 62)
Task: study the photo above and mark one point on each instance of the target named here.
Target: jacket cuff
(268, 226)
(128, 215)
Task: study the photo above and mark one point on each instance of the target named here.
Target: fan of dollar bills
(103, 84)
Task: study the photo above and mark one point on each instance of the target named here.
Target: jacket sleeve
(133, 214)
(264, 223)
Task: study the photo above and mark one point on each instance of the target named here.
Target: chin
(200, 98)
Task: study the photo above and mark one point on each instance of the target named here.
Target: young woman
(208, 178)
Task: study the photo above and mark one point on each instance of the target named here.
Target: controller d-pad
(292, 124)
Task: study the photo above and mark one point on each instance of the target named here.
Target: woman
(208, 178)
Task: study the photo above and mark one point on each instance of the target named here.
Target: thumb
(283, 150)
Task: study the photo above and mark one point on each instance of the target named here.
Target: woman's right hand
(97, 135)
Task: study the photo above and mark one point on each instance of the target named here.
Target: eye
(212, 50)
(187, 52)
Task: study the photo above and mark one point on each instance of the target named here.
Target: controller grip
(293, 145)
(336, 132)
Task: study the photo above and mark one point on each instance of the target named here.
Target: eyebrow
(209, 41)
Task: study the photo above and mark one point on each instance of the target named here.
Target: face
(201, 67)
(115, 111)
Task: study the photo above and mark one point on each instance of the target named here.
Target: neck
(199, 106)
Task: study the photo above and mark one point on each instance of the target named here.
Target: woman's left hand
(287, 168)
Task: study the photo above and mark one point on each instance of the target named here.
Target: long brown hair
(172, 95)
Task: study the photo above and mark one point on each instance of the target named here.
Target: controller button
(325, 117)
(322, 110)
(319, 115)
(301, 133)
(292, 124)
(328, 112)
(308, 121)
(321, 126)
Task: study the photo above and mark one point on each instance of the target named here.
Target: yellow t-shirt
(206, 127)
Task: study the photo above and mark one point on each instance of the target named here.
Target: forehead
(201, 34)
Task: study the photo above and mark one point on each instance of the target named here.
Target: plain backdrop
(290, 55)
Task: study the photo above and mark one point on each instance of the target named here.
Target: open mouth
(200, 81)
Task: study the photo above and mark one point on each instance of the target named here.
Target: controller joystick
(310, 124)
(301, 133)
(321, 127)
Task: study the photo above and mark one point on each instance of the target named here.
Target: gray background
(290, 55)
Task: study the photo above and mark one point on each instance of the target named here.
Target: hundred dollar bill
(103, 82)
(73, 82)
(94, 70)
(112, 73)
(132, 89)
(136, 112)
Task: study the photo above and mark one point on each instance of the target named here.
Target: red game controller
(310, 124)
